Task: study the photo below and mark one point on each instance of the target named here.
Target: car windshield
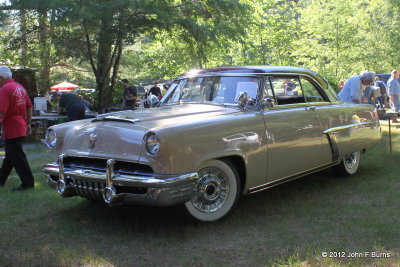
(213, 90)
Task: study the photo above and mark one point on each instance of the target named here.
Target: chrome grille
(96, 164)
(93, 191)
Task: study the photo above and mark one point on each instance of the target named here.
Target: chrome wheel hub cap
(211, 190)
(351, 160)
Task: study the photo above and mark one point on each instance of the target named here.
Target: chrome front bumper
(112, 188)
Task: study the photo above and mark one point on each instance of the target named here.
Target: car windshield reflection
(213, 90)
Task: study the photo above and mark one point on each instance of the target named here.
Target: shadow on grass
(306, 216)
(147, 216)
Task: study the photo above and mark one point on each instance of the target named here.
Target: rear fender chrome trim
(335, 129)
(333, 134)
(332, 137)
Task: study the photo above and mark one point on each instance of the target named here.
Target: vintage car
(218, 134)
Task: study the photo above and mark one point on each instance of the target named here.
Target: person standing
(353, 88)
(129, 97)
(393, 87)
(382, 88)
(155, 90)
(73, 105)
(86, 103)
(15, 116)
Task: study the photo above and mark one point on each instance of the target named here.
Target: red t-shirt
(14, 101)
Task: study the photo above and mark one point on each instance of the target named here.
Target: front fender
(185, 148)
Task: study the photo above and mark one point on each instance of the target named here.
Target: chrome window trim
(262, 78)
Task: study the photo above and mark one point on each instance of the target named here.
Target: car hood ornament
(92, 140)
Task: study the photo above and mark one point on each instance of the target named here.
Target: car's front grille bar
(100, 165)
(88, 190)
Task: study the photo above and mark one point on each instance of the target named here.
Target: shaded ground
(291, 224)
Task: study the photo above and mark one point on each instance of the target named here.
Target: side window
(174, 92)
(268, 89)
(287, 90)
(268, 94)
(311, 93)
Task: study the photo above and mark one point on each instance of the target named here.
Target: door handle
(310, 108)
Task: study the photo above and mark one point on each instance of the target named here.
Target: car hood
(120, 135)
(163, 116)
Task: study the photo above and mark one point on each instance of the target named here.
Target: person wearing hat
(129, 97)
(15, 116)
(353, 88)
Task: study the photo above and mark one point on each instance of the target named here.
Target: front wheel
(348, 165)
(216, 191)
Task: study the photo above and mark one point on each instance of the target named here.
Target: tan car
(218, 134)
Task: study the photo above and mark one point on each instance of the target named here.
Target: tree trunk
(44, 79)
(24, 42)
(104, 59)
(115, 70)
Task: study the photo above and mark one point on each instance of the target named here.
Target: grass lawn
(289, 225)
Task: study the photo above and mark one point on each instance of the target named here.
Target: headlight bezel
(152, 144)
(51, 138)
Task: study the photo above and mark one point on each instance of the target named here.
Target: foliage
(97, 42)
(340, 38)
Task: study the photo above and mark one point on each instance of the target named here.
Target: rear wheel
(349, 164)
(216, 192)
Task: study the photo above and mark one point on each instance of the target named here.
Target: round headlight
(152, 144)
(51, 138)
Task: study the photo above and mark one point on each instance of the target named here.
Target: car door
(293, 129)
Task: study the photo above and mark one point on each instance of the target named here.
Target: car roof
(254, 70)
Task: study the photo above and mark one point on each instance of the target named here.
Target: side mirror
(268, 103)
(242, 99)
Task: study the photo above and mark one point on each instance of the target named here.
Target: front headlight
(152, 144)
(51, 138)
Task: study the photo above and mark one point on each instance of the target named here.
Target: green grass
(289, 225)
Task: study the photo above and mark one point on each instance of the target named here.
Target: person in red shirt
(15, 116)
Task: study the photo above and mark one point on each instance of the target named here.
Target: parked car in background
(141, 91)
(218, 134)
(384, 77)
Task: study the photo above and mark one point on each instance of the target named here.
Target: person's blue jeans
(395, 104)
(381, 101)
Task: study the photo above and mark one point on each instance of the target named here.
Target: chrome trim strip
(332, 138)
(289, 106)
(335, 129)
(132, 180)
(61, 172)
(299, 105)
(110, 172)
(161, 197)
(114, 117)
(284, 180)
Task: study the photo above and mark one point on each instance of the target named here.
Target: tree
(108, 26)
(339, 38)
(270, 39)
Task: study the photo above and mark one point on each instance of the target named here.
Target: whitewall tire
(216, 192)
(348, 165)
